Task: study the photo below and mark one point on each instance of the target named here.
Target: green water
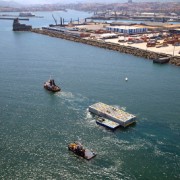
(36, 125)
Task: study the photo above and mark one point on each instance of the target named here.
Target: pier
(111, 46)
(13, 18)
(114, 114)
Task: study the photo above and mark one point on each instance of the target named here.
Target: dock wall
(111, 46)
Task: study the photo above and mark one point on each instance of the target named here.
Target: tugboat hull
(56, 89)
(107, 123)
(51, 86)
(80, 151)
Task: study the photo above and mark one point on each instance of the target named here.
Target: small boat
(126, 79)
(79, 150)
(51, 86)
(107, 123)
(170, 20)
(26, 14)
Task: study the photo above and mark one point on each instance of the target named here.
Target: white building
(126, 29)
(148, 14)
(108, 35)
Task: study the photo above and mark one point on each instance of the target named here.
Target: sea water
(36, 125)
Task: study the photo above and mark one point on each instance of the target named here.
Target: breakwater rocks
(111, 46)
(175, 60)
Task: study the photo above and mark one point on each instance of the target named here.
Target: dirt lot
(167, 50)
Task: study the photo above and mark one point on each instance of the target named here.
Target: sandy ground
(172, 50)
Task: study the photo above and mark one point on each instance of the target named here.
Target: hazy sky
(75, 1)
(64, 1)
(36, 1)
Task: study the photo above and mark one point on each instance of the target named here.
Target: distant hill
(112, 1)
(19, 3)
(9, 4)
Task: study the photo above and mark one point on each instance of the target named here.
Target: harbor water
(36, 126)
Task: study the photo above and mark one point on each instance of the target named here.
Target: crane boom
(54, 19)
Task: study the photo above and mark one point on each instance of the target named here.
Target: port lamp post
(173, 50)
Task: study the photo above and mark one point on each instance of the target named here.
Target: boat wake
(88, 115)
(65, 95)
(69, 96)
(73, 101)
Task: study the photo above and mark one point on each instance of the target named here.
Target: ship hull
(108, 124)
(56, 89)
(85, 153)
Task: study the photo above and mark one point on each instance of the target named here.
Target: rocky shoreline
(112, 46)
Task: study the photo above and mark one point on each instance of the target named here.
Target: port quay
(90, 65)
(112, 43)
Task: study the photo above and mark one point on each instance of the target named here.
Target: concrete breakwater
(111, 46)
(175, 60)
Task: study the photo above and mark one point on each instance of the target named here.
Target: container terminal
(114, 114)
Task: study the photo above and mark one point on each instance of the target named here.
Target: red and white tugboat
(51, 86)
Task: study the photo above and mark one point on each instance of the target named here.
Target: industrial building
(17, 26)
(126, 29)
(108, 36)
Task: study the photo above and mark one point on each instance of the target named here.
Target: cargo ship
(51, 86)
(78, 149)
(26, 14)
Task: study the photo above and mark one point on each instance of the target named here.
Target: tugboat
(51, 86)
(79, 150)
(107, 123)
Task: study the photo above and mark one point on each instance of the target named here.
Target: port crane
(54, 19)
(62, 21)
